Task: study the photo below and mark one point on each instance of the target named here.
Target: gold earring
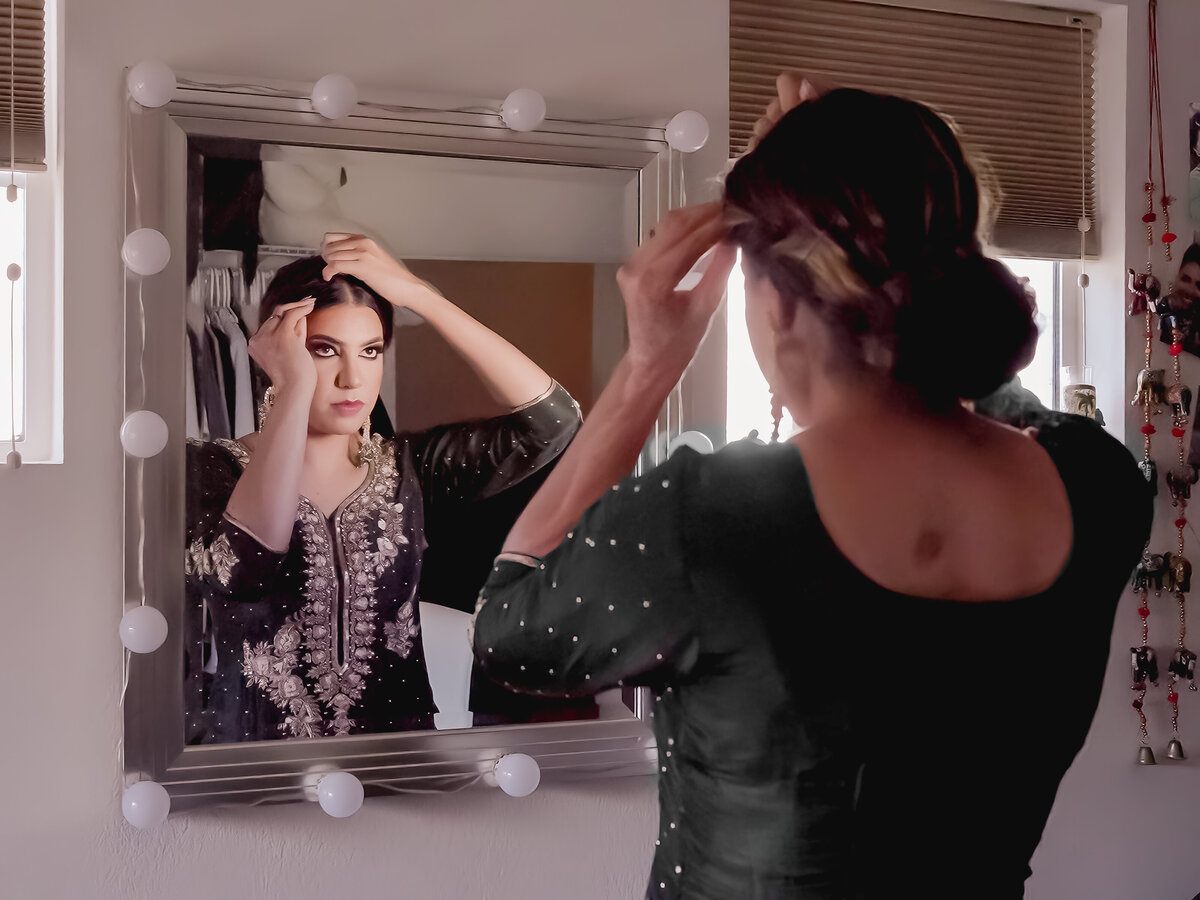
(268, 401)
(368, 449)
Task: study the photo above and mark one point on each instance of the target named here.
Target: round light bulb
(334, 96)
(523, 110)
(151, 83)
(697, 440)
(687, 131)
(13, 460)
(340, 794)
(143, 434)
(12, 192)
(145, 804)
(1084, 224)
(143, 629)
(14, 272)
(146, 251)
(518, 774)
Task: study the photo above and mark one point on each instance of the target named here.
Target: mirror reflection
(364, 427)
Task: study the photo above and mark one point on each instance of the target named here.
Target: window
(748, 404)
(1016, 79)
(13, 386)
(31, 319)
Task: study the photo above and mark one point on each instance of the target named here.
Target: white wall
(1118, 830)
(61, 832)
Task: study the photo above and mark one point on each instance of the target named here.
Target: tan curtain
(23, 79)
(1009, 77)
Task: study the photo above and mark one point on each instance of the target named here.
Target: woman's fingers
(296, 311)
(716, 276)
(788, 89)
(684, 239)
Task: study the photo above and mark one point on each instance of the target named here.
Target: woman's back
(957, 507)
(820, 735)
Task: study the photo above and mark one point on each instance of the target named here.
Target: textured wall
(61, 832)
(1117, 832)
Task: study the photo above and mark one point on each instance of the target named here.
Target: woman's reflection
(305, 539)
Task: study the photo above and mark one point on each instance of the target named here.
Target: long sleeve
(473, 460)
(612, 603)
(219, 553)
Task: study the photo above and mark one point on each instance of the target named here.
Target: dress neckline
(1061, 577)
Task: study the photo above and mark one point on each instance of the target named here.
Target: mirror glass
(361, 626)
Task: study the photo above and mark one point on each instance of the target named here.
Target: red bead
(1172, 697)
(1178, 432)
(1180, 522)
(1148, 429)
(1176, 349)
(1149, 217)
(1168, 237)
(1143, 611)
(1149, 334)
(1136, 704)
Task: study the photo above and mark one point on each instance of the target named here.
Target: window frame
(42, 442)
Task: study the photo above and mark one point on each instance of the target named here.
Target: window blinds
(1008, 76)
(23, 79)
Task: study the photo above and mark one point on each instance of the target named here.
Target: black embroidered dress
(325, 638)
(818, 735)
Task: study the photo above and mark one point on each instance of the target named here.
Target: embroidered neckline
(309, 638)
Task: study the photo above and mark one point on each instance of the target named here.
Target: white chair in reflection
(448, 658)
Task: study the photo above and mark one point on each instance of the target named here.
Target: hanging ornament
(1169, 572)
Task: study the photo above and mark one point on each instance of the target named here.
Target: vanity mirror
(524, 231)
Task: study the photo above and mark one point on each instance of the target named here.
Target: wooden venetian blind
(23, 78)
(1009, 77)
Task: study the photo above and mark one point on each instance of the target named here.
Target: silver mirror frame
(155, 179)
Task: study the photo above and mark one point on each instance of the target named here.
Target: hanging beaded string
(1179, 575)
(1144, 292)
(1165, 201)
(1166, 572)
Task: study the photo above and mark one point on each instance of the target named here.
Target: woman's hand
(279, 347)
(666, 325)
(791, 89)
(360, 257)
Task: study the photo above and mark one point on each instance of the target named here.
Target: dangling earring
(776, 416)
(268, 401)
(368, 450)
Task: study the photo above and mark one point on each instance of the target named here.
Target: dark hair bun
(969, 327)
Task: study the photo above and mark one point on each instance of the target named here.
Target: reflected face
(1187, 282)
(346, 343)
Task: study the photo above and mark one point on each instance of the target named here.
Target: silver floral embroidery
(217, 559)
(316, 629)
(400, 633)
(271, 667)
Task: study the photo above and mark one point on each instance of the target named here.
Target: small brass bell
(1146, 757)
(1175, 749)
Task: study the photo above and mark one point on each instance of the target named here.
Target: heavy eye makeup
(327, 348)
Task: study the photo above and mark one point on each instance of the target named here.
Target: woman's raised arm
(512, 378)
(263, 503)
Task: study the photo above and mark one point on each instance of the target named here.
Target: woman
(874, 648)
(306, 538)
